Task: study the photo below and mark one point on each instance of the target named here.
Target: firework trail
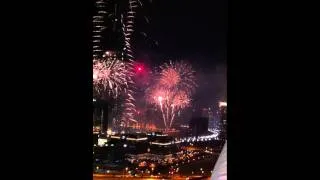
(99, 27)
(127, 22)
(107, 81)
(168, 101)
(109, 75)
(172, 91)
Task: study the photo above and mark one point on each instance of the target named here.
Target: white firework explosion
(109, 76)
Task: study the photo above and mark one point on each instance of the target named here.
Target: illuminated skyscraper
(113, 31)
(223, 120)
(211, 118)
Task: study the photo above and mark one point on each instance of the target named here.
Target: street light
(125, 171)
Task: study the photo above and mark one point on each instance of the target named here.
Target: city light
(161, 144)
(145, 105)
(115, 137)
(101, 142)
(109, 132)
(137, 139)
(222, 104)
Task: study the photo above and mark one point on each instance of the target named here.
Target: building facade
(223, 120)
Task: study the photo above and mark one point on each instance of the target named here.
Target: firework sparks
(178, 75)
(109, 75)
(128, 28)
(169, 102)
(98, 27)
(172, 90)
(170, 77)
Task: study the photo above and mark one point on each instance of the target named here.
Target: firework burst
(178, 76)
(111, 78)
(109, 75)
(172, 90)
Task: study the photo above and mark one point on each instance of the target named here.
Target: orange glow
(152, 165)
(142, 164)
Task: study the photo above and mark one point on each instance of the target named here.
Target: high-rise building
(205, 112)
(199, 122)
(114, 23)
(102, 115)
(211, 118)
(223, 120)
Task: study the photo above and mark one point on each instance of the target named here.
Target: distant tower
(211, 118)
(223, 120)
(103, 115)
(199, 122)
(114, 25)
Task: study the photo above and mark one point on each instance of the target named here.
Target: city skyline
(157, 84)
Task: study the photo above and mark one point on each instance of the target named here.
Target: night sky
(194, 31)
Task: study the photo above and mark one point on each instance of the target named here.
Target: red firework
(172, 90)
